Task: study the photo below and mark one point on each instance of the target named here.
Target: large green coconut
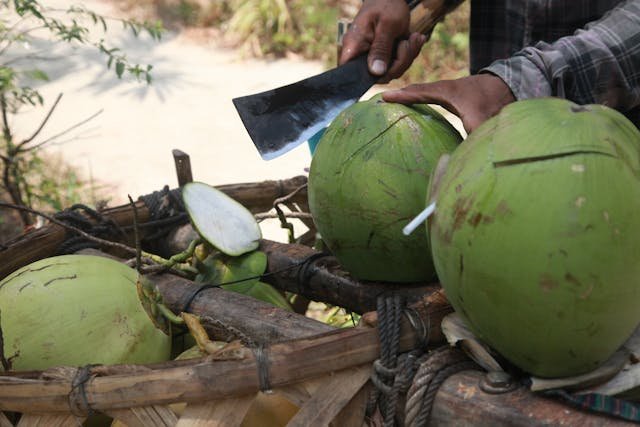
(75, 310)
(536, 234)
(369, 178)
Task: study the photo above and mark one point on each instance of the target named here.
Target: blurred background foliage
(307, 29)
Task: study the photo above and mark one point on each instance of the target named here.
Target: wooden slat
(299, 393)
(461, 402)
(269, 410)
(353, 415)
(145, 416)
(4, 421)
(219, 413)
(327, 402)
(50, 420)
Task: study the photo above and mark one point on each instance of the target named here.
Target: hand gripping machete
(280, 119)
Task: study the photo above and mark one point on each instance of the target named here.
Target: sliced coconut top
(220, 220)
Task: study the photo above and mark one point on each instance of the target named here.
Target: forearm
(599, 64)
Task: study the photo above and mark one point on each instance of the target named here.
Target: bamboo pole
(199, 381)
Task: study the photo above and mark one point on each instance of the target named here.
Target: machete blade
(280, 119)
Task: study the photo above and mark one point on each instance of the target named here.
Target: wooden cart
(322, 372)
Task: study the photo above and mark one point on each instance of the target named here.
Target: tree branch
(66, 131)
(6, 131)
(267, 215)
(20, 146)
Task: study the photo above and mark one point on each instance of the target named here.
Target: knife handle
(426, 14)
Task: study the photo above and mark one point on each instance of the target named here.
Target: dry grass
(446, 54)
(305, 28)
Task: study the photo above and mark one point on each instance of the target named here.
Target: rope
(166, 210)
(385, 375)
(91, 222)
(262, 364)
(306, 272)
(78, 400)
(434, 368)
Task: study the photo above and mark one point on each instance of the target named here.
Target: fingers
(444, 93)
(474, 99)
(375, 28)
(380, 52)
(389, 28)
(425, 93)
(406, 53)
(356, 41)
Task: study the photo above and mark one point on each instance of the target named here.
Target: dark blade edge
(280, 119)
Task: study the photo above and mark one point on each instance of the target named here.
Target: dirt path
(188, 106)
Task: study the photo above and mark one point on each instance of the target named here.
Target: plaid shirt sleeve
(597, 64)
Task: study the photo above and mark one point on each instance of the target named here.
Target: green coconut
(75, 310)
(535, 234)
(368, 179)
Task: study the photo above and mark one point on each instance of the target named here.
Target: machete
(280, 119)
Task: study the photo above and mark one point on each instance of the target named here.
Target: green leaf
(260, 291)
(245, 271)
(38, 75)
(219, 268)
(120, 68)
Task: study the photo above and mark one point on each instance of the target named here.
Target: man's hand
(474, 99)
(375, 29)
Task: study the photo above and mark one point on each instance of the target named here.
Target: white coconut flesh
(220, 220)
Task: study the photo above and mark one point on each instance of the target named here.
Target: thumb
(380, 54)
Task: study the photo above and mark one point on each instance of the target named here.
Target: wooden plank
(299, 393)
(327, 402)
(183, 167)
(4, 421)
(353, 415)
(462, 403)
(269, 410)
(145, 416)
(219, 413)
(50, 420)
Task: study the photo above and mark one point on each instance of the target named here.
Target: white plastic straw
(422, 217)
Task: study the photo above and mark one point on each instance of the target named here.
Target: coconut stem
(187, 253)
(199, 334)
(422, 217)
(168, 314)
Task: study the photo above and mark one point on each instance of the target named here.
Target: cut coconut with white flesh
(220, 220)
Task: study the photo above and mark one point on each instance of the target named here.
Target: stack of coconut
(536, 225)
